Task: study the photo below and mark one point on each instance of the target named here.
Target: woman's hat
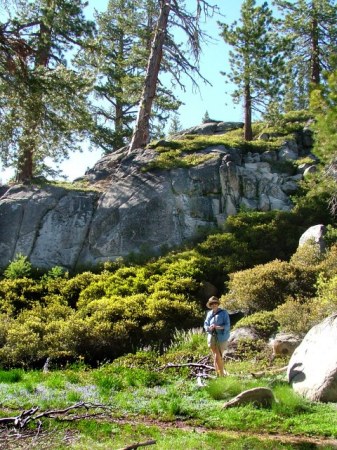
(212, 301)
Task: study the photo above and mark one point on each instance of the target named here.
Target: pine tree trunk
(25, 165)
(315, 67)
(141, 133)
(25, 168)
(248, 132)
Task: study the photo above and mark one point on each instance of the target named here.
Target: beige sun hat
(211, 301)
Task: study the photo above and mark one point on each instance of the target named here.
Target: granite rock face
(129, 210)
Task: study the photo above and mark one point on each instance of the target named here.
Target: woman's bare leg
(218, 361)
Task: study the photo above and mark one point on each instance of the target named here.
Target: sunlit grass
(141, 395)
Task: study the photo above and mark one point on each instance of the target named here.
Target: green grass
(139, 395)
(11, 376)
(108, 435)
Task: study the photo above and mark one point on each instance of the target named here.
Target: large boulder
(312, 369)
(260, 397)
(314, 235)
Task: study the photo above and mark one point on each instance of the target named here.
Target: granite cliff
(126, 209)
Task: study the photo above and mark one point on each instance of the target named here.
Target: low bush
(248, 348)
(263, 322)
(265, 287)
(296, 316)
(11, 376)
(325, 303)
(308, 254)
(19, 294)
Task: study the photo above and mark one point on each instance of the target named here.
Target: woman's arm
(207, 322)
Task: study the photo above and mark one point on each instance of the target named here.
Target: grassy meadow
(141, 399)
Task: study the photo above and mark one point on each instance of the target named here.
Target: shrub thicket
(296, 315)
(100, 316)
(266, 286)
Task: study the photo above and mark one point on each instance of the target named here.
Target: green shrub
(330, 236)
(72, 288)
(248, 348)
(267, 235)
(308, 254)
(225, 253)
(19, 294)
(186, 346)
(193, 340)
(267, 286)
(328, 266)
(5, 323)
(263, 322)
(20, 267)
(296, 316)
(56, 272)
(140, 359)
(23, 345)
(312, 201)
(34, 335)
(325, 303)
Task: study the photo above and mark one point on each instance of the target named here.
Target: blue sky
(212, 99)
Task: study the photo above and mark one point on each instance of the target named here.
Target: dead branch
(31, 414)
(192, 365)
(138, 444)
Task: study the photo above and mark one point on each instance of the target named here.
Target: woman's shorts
(220, 345)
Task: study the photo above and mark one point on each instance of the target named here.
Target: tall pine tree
(164, 47)
(312, 26)
(256, 59)
(42, 102)
(119, 58)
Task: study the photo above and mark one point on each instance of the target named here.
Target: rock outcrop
(312, 369)
(314, 236)
(284, 344)
(127, 209)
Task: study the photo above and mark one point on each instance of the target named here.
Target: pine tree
(120, 58)
(312, 26)
(183, 61)
(206, 117)
(42, 102)
(175, 125)
(323, 103)
(256, 59)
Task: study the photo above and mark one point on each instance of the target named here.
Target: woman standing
(217, 326)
